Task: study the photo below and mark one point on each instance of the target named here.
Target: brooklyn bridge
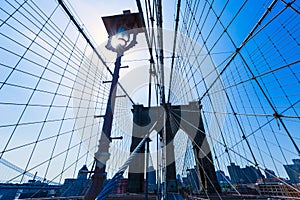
(185, 99)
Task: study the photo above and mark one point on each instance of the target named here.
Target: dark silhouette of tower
(171, 118)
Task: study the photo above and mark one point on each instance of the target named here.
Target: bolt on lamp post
(119, 28)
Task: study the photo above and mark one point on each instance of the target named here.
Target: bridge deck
(111, 197)
(154, 197)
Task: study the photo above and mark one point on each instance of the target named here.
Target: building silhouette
(192, 181)
(251, 174)
(293, 171)
(270, 173)
(246, 175)
(76, 186)
(235, 173)
(222, 178)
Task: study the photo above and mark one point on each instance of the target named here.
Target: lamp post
(122, 31)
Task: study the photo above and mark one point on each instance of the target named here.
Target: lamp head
(127, 20)
(119, 28)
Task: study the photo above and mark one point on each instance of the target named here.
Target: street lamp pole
(102, 155)
(118, 27)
